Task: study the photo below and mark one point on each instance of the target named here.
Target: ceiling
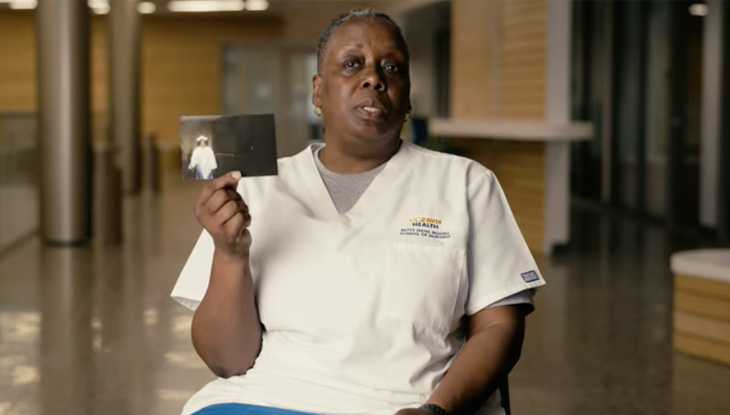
(276, 8)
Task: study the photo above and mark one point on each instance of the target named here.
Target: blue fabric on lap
(245, 409)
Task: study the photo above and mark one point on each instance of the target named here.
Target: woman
(203, 160)
(373, 261)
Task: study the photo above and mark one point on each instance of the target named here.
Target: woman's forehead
(357, 32)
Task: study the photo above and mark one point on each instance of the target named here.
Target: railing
(18, 177)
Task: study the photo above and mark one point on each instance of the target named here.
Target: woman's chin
(376, 132)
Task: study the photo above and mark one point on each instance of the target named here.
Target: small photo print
(212, 146)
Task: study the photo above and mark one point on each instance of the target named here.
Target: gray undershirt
(346, 189)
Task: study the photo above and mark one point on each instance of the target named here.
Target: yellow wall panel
(498, 72)
(706, 287)
(17, 62)
(472, 51)
(702, 317)
(522, 59)
(691, 302)
(701, 347)
(701, 326)
(519, 167)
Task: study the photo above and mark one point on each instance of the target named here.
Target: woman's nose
(373, 79)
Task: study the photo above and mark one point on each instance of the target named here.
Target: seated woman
(376, 277)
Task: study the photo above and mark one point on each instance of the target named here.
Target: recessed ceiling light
(257, 5)
(102, 10)
(146, 7)
(698, 9)
(95, 4)
(99, 6)
(199, 6)
(23, 4)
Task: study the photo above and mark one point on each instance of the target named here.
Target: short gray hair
(353, 14)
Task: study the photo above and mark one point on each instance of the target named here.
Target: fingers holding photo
(228, 181)
(215, 195)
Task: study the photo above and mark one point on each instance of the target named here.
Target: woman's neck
(346, 160)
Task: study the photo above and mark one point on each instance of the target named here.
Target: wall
(182, 67)
(522, 42)
(498, 71)
(498, 59)
(17, 57)
(180, 56)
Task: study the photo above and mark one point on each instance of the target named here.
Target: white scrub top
(362, 310)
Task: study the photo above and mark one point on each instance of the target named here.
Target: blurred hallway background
(606, 122)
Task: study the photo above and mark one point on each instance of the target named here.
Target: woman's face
(363, 84)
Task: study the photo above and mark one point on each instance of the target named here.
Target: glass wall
(657, 107)
(590, 72)
(629, 96)
(638, 76)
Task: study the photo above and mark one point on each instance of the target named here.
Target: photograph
(215, 145)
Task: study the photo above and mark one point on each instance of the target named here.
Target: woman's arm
(492, 349)
(226, 330)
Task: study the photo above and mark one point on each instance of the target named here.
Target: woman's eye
(391, 67)
(351, 64)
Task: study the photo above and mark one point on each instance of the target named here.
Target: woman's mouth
(371, 110)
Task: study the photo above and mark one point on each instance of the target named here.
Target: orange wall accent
(498, 59)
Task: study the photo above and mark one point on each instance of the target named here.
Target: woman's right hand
(224, 214)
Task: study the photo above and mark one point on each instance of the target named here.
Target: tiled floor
(92, 330)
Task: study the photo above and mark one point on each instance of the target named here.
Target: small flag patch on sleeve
(530, 276)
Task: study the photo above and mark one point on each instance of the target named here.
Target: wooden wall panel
(498, 72)
(498, 63)
(519, 167)
(701, 326)
(702, 317)
(702, 286)
(181, 66)
(99, 78)
(523, 36)
(472, 57)
(18, 67)
(700, 347)
(17, 62)
(702, 305)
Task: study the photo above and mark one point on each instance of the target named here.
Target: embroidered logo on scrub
(426, 228)
(529, 276)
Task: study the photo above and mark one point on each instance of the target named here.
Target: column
(557, 111)
(62, 38)
(124, 27)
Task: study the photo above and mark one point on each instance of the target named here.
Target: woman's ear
(317, 90)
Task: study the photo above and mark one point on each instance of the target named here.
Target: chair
(504, 394)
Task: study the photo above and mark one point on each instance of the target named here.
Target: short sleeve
(521, 298)
(499, 261)
(192, 283)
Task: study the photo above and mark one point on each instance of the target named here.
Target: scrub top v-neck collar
(367, 204)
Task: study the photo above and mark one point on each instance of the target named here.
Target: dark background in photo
(245, 143)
